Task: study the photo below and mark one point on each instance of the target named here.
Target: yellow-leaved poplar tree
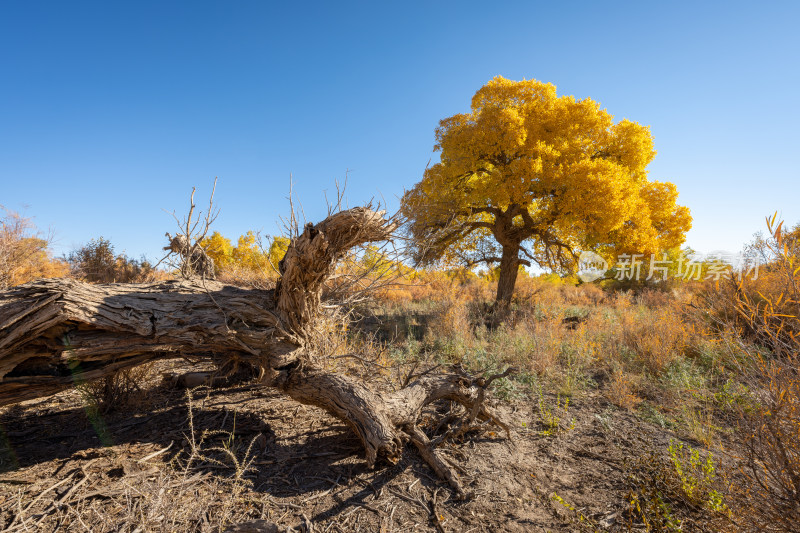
(277, 249)
(220, 250)
(247, 256)
(530, 177)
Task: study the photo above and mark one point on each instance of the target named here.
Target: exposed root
(350, 401)
(385, 422)
(471, 393)
(430, 455)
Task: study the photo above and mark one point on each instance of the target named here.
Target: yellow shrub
(24, 255)
(621, 390)
(657, 337)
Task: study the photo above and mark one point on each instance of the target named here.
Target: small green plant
(8, 459)
(651, 495)
(605, 419)
(734, 396)
(699, 425)
(651, 413)
(674, 493)
(93, 413)
(697, 476)
(506, 389)
(549, 415)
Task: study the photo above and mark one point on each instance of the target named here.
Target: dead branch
(192, 259)
(56, 333)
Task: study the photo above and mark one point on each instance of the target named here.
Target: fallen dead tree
(56, 333)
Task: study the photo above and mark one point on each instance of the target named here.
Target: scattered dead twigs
(433, 458)
(19, 520)
(438, 521)
(22, 522)
(474, 403)
(155, 454)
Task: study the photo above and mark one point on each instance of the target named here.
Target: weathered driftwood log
(56, 333)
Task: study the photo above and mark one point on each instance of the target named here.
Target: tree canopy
(530, 177)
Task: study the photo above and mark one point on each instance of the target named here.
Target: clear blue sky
(111, 111)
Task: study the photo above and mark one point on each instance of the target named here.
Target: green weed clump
(697, 476)
(552, 416)
(681, 493)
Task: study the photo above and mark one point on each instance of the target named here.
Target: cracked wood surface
(58, 332)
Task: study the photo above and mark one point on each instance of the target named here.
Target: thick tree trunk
(57, 333)
(509, 268)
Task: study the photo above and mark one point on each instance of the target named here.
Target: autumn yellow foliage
(531, 177)
(248, 257)
(24, 254)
